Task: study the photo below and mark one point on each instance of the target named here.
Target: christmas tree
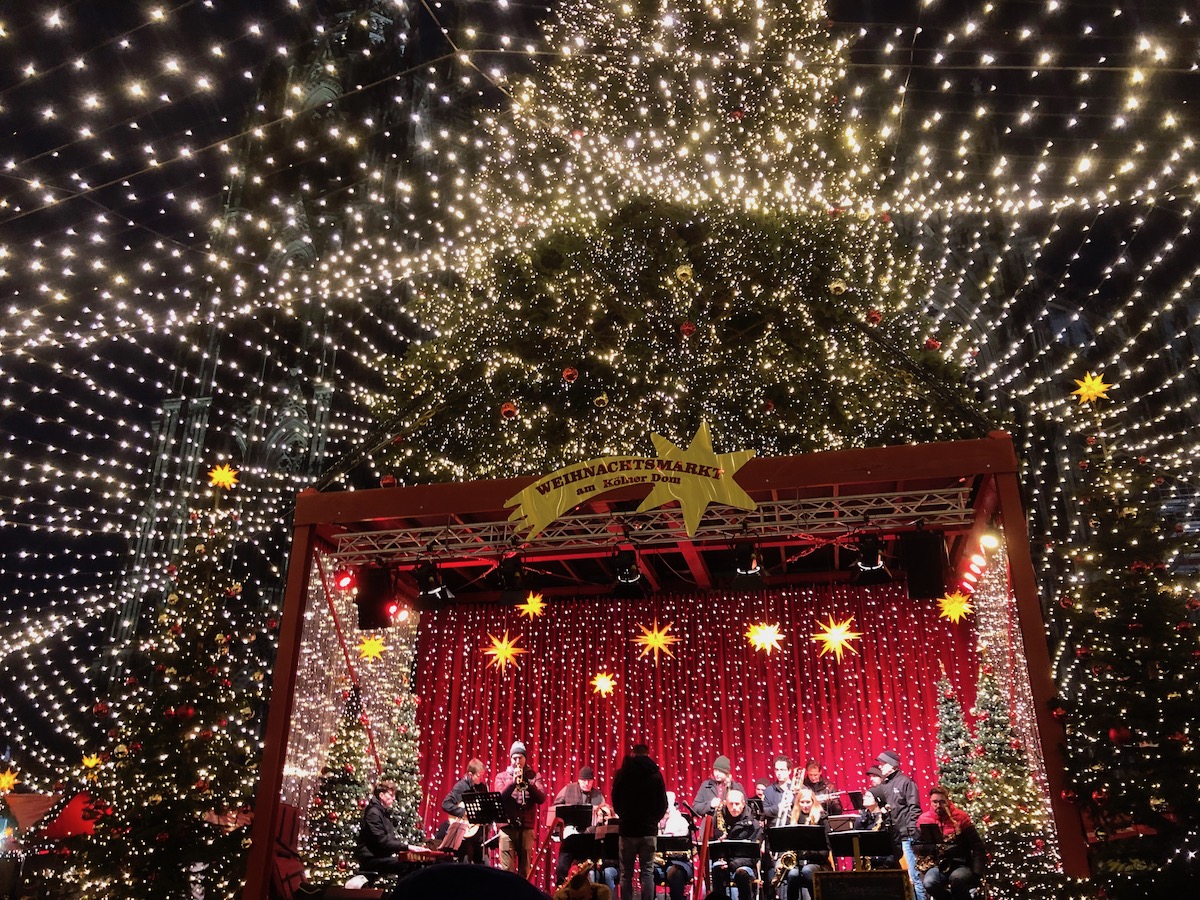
(954, 741)
(1129, 620)
(342, 792)
(401, 763)
(171, 794)
(673, 225)
(1007, 806)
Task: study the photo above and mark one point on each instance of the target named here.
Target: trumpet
(520, 786)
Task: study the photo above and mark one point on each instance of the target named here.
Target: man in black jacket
(471, 848)
(903, 803)
(640, 800)
(735, 823)
(378, 844)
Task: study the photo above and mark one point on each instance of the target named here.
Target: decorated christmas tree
(673, 224)
(172, 791)
(336, 810)
(954, 741)
(1007, 806)
(401, 762)
(1128, 701)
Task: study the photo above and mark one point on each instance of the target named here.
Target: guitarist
(471, 848)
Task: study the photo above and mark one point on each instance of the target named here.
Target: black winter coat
(639, 796)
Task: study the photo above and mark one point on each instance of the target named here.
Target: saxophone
(788, 814)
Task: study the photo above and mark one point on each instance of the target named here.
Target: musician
(673, 869)
(874, 776)
(799, 878)
(904, 804)
(874, 817)
(377, 843)
(521, 792)
(580, 792)
(735, 823)
(472, 782)
(826, 793)
(712, 790)
(953, 861)
(778, 790)
(640, 801)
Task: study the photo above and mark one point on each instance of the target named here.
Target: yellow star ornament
(604, 683)
(835, 637)
(91, 762)
(503, 651)
(655, 639)
(223, 477)
(1092, 388)
(371, 648)
(955, 606)
(8, 781)
(534, 605)
(764, 637)
(694, 494)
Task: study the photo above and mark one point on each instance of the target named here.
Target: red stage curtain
(716, 696)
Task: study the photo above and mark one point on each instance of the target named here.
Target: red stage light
(344, 579)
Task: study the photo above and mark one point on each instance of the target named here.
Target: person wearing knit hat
(580, 792)
(713, 791)
(874, 775)
(521, 792)
(874, 817)
(903, 801)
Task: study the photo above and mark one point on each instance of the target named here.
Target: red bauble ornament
(570, 374)
(169, 712)
(101, 709)
(687, 329)
(885, 218)
(206, 735)
(1120, 734)
(1083, 464)
(995, 773)
(1160, 481)
(1100, 795)
(1192, 603)
(874, 317)
(737, 114)
(1184, 626)
(387, 481)
(1091, 440)
(1083, 652)
(1142, 460)
(172, 569)
(933, 344)
(333, 816)
(1069, 795)
(1059, 714)
(768, 406)
(508, 410)
(1066, 602)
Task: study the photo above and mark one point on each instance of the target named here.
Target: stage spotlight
(511, 573)
(344, 579)
(430, 585)
(747, 562)
(376, 599)
(870, 568)
(629, 584)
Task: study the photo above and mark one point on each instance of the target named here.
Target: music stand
(484, 808)
(862, 843)
(453, 838)
(803, 840)
(576, 815)
(581, 846)
(673, 843)
(856, 799)
(735, 850)
(842, 823)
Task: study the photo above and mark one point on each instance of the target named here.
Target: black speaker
(376, 597)
(925, 563)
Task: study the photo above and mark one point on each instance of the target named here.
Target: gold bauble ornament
(601, 400)
(684, 273)
(837, 287)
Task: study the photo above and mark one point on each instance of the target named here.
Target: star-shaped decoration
(604, 683)
(655, 639)
(534, 605)
(694, 494)
(91, 762)
(371, 648)
(764, 636)
(8, 781)
(955, 606)
(1092, 388)
(503, 651)
(223, 477)
(835, 637)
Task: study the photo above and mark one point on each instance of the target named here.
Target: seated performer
(874, 817)
(950, 854)
(712, 791)
(521, 793)
(800, 876)
(734, 823)
(580, 792)
(471, 848)
(673, 868)
(827, 795)
(377, 843)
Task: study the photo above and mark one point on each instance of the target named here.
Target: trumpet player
(521, 792)
(779, 791)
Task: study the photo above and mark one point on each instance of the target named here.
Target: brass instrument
(788, 814)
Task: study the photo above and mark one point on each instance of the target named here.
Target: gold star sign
(91, 762)
(8, 781)
(694, 494)
(503, 651)
(764, 637)
(835, 637)
(656, 639)
(371, 648)
(534, 605)
(604, 683)
(955, 606)
(223, 477)
(1092, 388)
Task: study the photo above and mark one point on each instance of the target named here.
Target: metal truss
(807, 520)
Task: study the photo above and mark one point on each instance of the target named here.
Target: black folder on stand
(862, 843)
(483, 807)
(800, 839)
(576, 815)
